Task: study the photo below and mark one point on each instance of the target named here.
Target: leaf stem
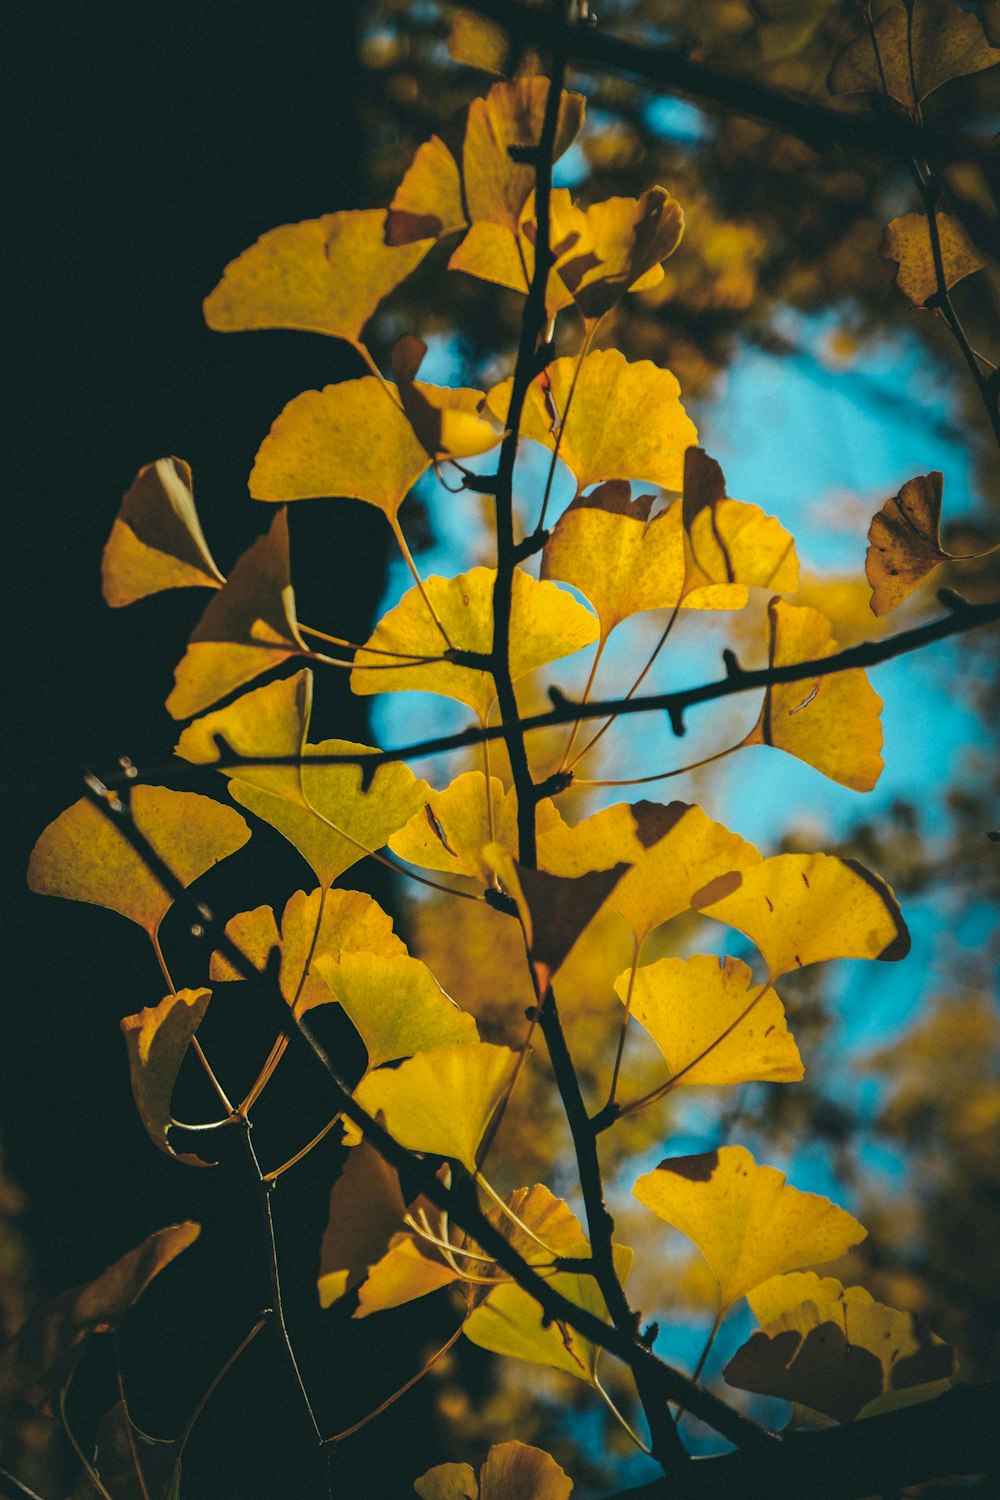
(196, 1046)
(216, 1381)
(636, 953)
(409, 1384)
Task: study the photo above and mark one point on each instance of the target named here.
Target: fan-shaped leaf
(453, 827)
(496, 186)
(396, 1004)
(157, 1041)
(271, 720)
(448, 423)
(618, 243)
(729, 546)
(908, 245)
(512, 1471)
(156, 541)
(366, 1209)
(428, 201)
(905, 540)
(941, 42)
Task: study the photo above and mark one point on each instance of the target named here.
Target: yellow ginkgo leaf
(833, 723)
(337, 821)
(366, 1210)
(351, 439)
(545, 623)
(452, 828)
(907, 244)
(554, 910)
(729, 546)
(324, 275)
(248, 628)
(512, 1471)
(396, 1004)
(271, 720)
(606, 546)
(711, 1022)
(331, 923)
(408, 1270)
(920, 47)
(157, 541)
(647, 437)
(747, 1221)
(156, 1041)
(479, 43)
(492, 252)
(905, 541)
(441, 1101)
(83, 856)
(511, 1322)
(674, 852)
(428, 201)
(621, 241)
(37, 1364)
(802, 909)
(836, 1350)
(496, 186)
(448, 423)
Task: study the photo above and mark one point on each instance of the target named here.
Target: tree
(426, 1100)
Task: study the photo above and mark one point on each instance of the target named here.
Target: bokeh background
(148, 149)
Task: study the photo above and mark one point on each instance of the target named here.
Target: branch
(670, 70)
(953, 1435)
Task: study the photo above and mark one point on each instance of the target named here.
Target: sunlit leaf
(554, 909)
(496, 187)
(802, 909)
(157, 1040)
(946, 42)
(479, 43)
(351, 922)
(747, 1221)
(351, 439)
(546, 623)
(83, 856)
(441, 1101)
(492, 252)
(40, 1359)
(836, 1350)
(453, 827)
(118, 1447)
(366, 1210)
(833, 723)
(408, 1270)
(396, 1004)
(428, 201)
(512, 1471)
(606, 546)
(619, 242)
(674, 851)
(647, 438)
(692, 1008)
(729, 546)
(907, 243)
(449, 423)
(271, 720)
(156, 541)
(324, 275)
(248, 628)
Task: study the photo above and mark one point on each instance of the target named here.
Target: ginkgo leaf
(156, 541)
(366, 1209)
(83, 856)
(546, 623)
(646, 439)
(554, 909)
(606, 546)
(836, 1350)
(511, 1322)
(479, 43)
(915, 57)
(497, 187)
(157, 1040)
(348, 922)
(448, 423)
(907, 244)
(453, 827)
(729, 546)
(674, 852)
(441, 1101)
(248, 628)
(338, 821)
(747, 1221)
(711, 1022)
(833, 723)
(324, 275)
(428, 201)
(40, 1359)
(905, 541)
(396, 1004)
(406, 1272)
(492, 252)
(620, 241)
(512, 1471)
(271, 720)
(802, 909)
(119, 1446)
